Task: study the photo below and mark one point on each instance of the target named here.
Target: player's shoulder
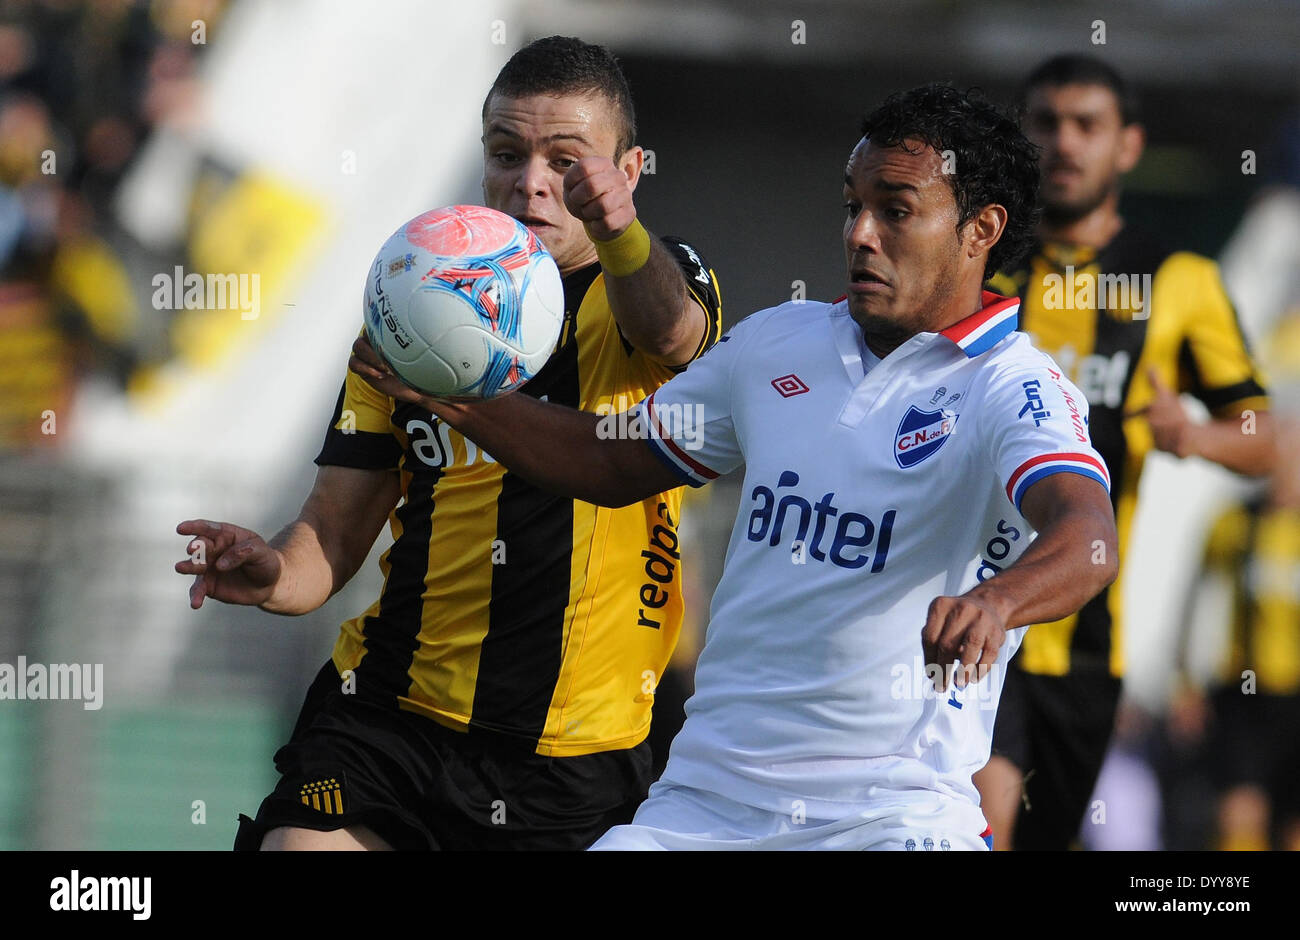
(1140, 249)
(791, 317)
(1015, 360)
(684, 248)
(1187, 265)
(1016, 352)
(693, 262)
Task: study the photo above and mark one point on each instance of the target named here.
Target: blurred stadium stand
(290, 143)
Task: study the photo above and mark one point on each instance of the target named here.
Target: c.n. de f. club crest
(921, 434)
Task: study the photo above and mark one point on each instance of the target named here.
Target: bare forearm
(306, 577)
(559, 449)
(1245, 445)
(654, 309)
(324, 547)
(1071, 561)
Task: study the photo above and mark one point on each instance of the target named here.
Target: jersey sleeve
(689, 422)
(702, 286)
(360, 432)
(1214, 362)
(1035, 423)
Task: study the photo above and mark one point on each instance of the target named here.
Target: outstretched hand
(229, 564)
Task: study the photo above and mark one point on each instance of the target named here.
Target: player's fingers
(953, 635)
(944, 631)
(206, 528)
(589, 168)
(199, 552)
(198, 590)
(239, 554)
(987, 662)
(583, 191)
(599, 205)
(362, 349)
(930, 635)
(940, 640)
(1153, 375)
(934, 618)
(384, 382)
(608, 183)
(963, 646)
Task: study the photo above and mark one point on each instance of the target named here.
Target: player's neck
(882, 344)
(1095, 230)
(578, 263)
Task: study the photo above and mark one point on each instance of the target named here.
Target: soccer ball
(464, 302)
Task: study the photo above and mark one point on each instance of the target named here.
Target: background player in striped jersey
(904, 419)
(1250, 713)
(1133, 322)
(498, 693)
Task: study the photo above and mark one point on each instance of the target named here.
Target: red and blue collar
(984, 329)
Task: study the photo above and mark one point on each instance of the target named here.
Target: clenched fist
(962, 630)
(599, 193)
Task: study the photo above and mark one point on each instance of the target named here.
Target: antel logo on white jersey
(850, 531)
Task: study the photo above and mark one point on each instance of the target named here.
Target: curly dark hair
(994, 162)
(564, 65)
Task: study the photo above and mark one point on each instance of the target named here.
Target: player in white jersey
(901, 448)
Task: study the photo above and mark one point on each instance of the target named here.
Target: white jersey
(871, 488)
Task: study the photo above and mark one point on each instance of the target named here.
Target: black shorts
(1056, 730)
(419, 785)
(1255, 740)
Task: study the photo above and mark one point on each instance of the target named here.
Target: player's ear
(982, 232)
(1132, 140)
(630, 163)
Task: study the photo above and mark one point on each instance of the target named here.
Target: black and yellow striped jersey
(1107, 317)
(1256, 547)
(506, 610)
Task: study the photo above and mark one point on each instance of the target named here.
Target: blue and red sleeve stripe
(1036, 468)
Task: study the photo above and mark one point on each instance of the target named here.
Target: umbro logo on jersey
(789, 385)
(921, 434)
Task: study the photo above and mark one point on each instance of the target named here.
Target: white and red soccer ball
(464, 302)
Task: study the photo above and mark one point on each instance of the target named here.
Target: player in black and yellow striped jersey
(504, 609)
(498, 693)
(1132, 323)
(1254, 745)
(1250, 572)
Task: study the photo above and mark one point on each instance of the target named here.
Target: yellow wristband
(625, 254)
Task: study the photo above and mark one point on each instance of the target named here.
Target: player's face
(900, 241)
(528, 146)
(1086, 146)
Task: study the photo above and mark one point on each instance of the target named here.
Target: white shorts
(683, 818)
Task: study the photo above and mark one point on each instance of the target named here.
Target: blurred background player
(498, 693)
(1133, 321)
(1243, 728)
